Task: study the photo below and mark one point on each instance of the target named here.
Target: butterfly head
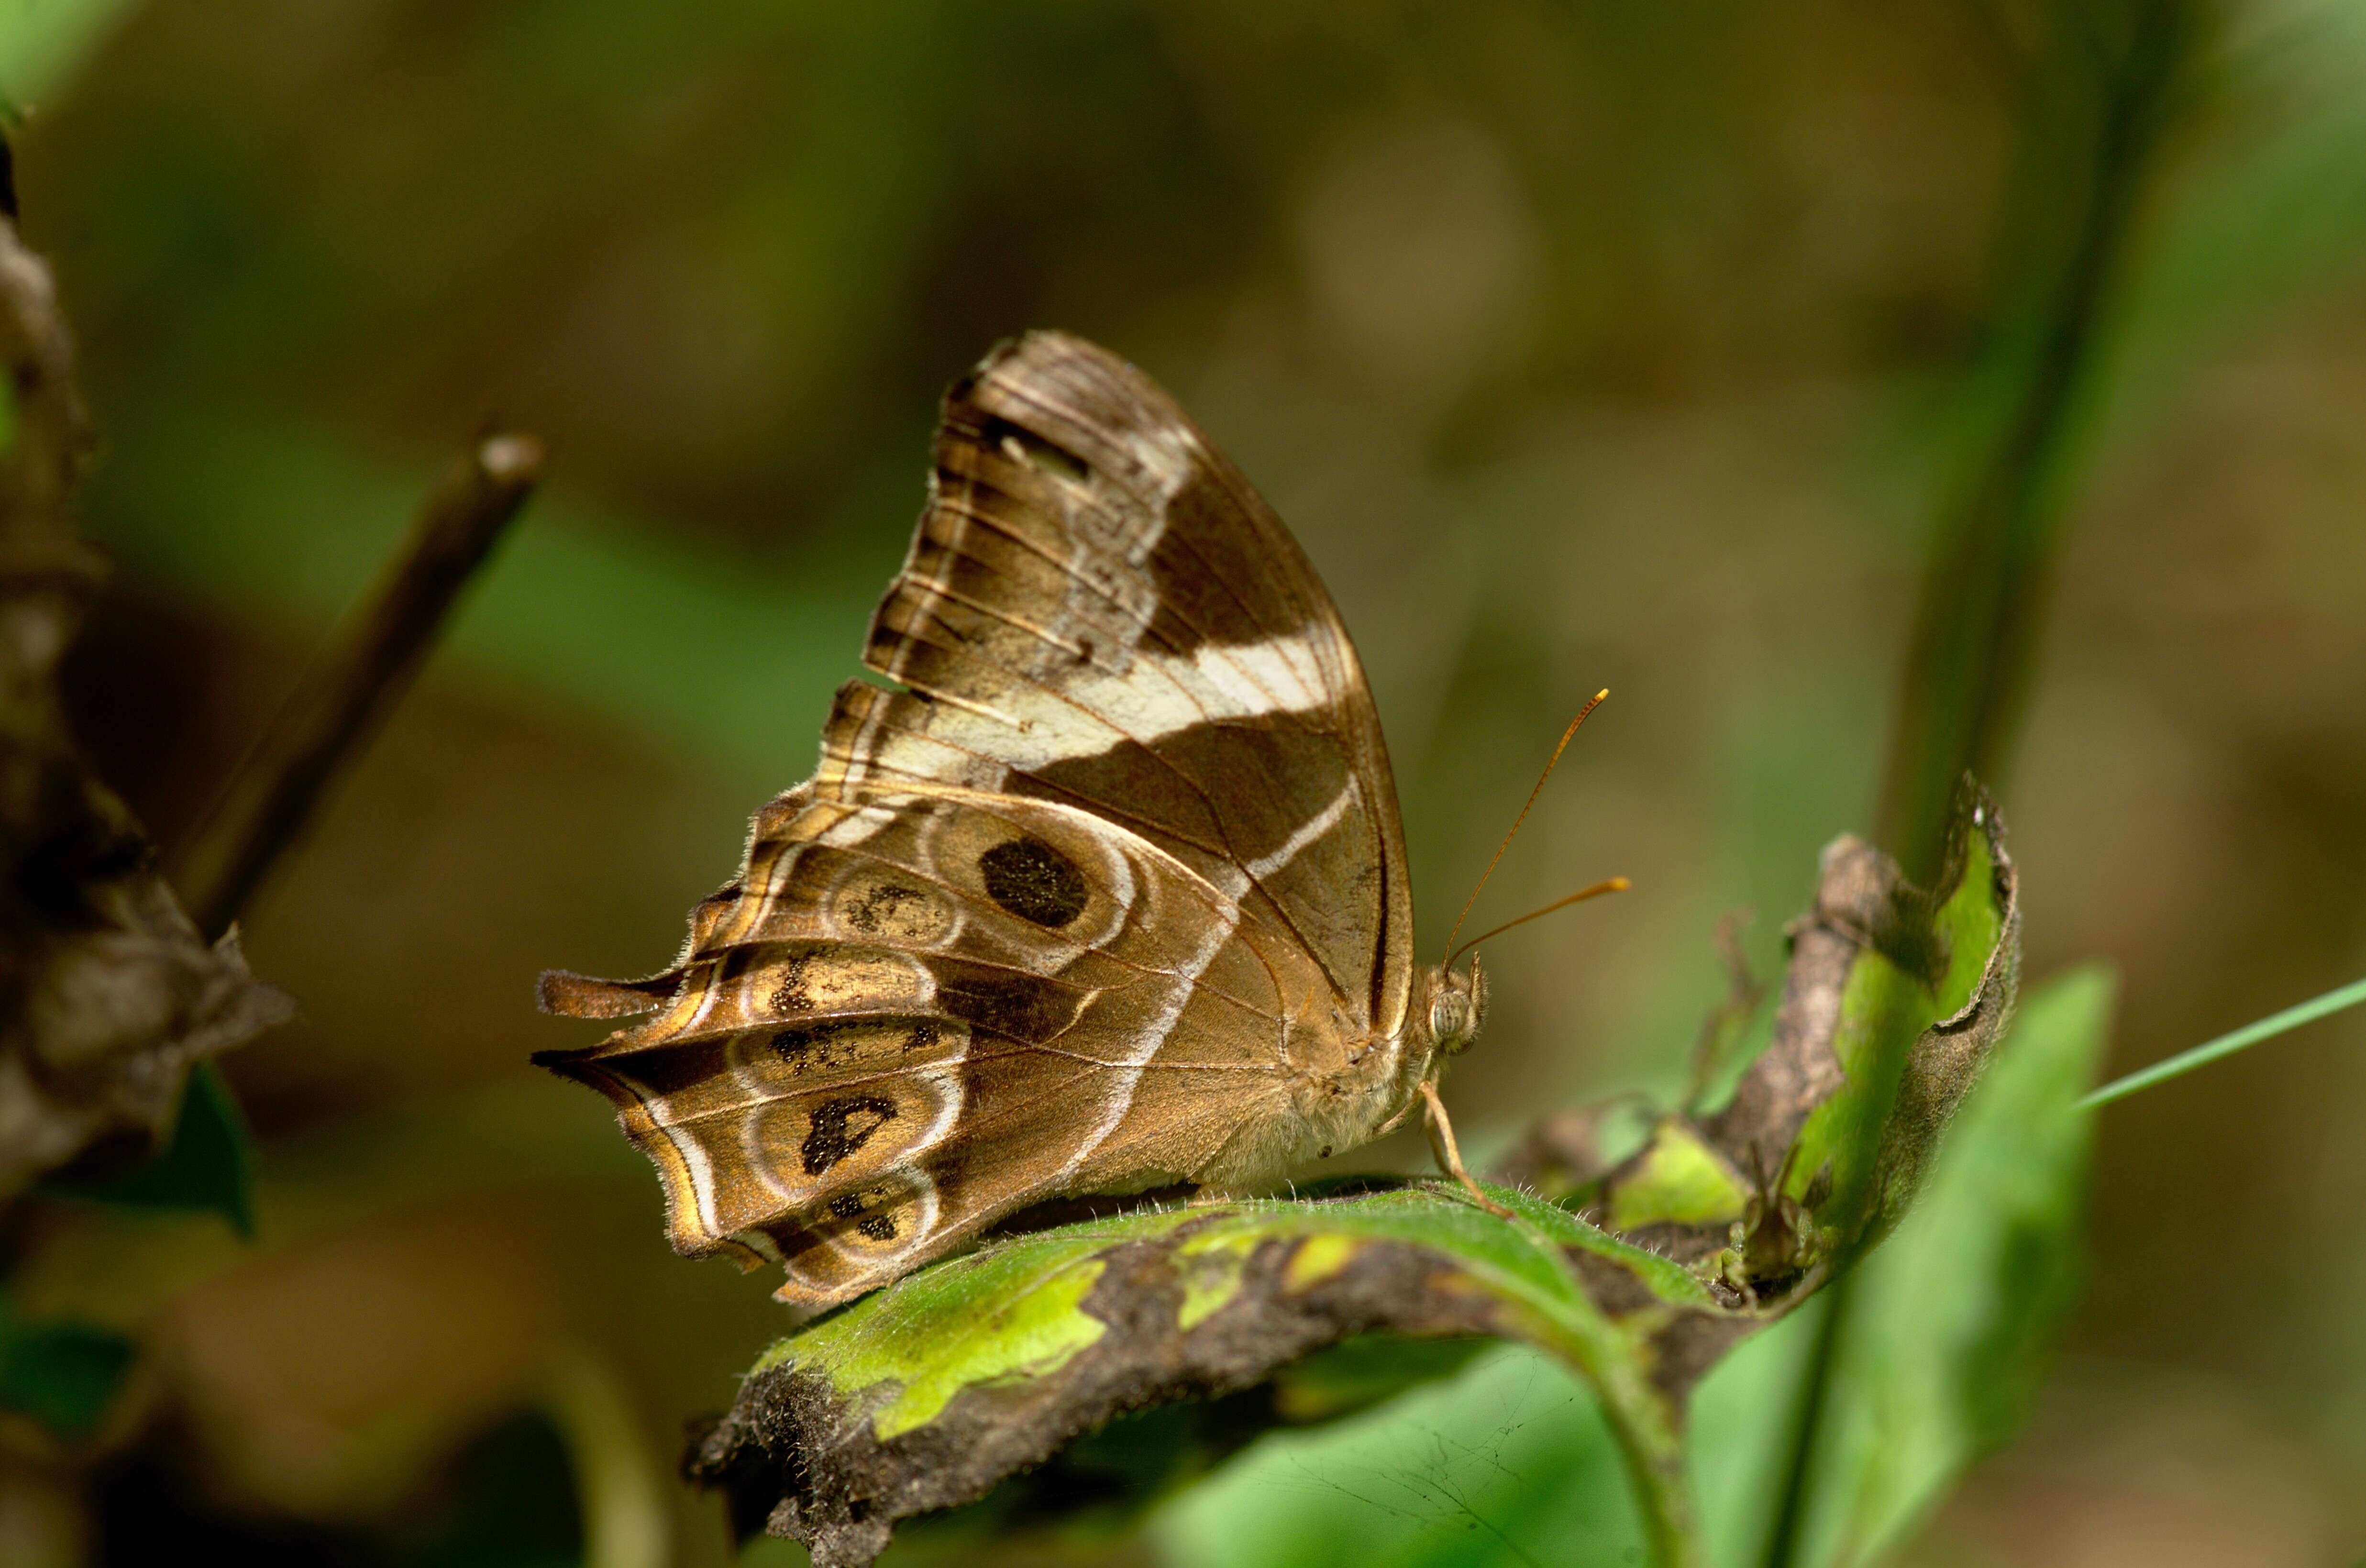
(1458, 1008)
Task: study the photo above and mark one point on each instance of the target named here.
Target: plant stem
(1645, 1419)
(1984, 589)
(1650, 1431)
(1788, 1532)
(1983, 594)
(1671, 1522)
(272, 798)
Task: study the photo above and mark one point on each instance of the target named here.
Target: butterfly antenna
(1522, 817)
(1615, 885)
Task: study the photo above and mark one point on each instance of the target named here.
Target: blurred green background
(1591, 344)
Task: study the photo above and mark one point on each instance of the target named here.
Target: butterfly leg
(1449, 1154)
(1391, 1124)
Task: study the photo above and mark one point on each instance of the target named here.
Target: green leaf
(206, 1167)
(1677, 1178)
(927, 1394)
(42, 46)
(1952, 1319)
(1510, 1465)
(65, 1376)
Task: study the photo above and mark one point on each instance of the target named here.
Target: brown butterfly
(1109, 895)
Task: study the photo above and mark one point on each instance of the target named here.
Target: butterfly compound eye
(1452, 1023)
(1449, 1014)
(1458, 1008)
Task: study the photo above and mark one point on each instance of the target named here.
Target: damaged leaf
(1892, 1000)
(927, 1394)
(1098, 1487)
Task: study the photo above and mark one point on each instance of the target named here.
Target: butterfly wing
(1083, 907)
(902, 1028)
(1099, 608)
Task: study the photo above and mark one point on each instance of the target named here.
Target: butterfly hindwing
(990, 992)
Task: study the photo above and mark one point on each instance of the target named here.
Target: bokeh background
(1586, 344)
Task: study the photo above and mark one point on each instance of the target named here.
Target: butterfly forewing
(1113, 616)
(1088, 905)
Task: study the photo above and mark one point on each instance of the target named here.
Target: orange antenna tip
(1551, 764)
(1615, 885)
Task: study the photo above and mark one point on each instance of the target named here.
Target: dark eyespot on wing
(878, 1227)
(841, 1127)
(1033, 881)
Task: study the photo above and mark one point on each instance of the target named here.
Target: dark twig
(272, 798)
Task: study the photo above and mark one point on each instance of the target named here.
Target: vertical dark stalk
(1788, 1532)
(2092, 124)
(1984, 591)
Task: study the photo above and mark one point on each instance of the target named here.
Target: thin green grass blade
(2228, 1044)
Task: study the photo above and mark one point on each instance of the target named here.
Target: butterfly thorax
(1348, 1091)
